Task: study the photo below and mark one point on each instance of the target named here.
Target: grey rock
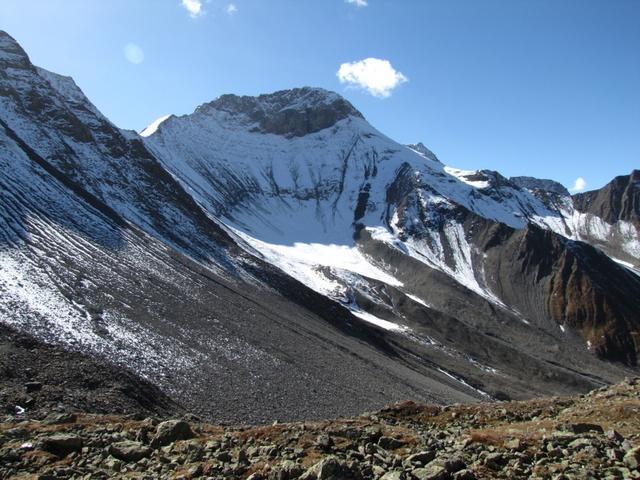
(171, 431)
(495, 461)
(421, 458)
(454, 464)
(430, 472)
(394, 475)
(579, 428)
(129, 451)
(62, 444)
(33, 387)
(632, 458)
(390, 443)
(327, 469)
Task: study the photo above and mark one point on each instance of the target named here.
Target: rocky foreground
(596, 435)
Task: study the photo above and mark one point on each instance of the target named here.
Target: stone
(430, 472)
(113, 464)
(421, 458)
(60, 418)
(454, 464)
(33, 387)
(390, 443)
(287, 470)
(614, 436)
(62, 444)
(328, 468)
(513, 444)
(393, 475)
(324, 441)
(129, 451)
(464, 475)
(495, 461)
(579, 428)
(171, 431)
(632, 458)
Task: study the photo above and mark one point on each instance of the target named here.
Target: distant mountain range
(277, 257)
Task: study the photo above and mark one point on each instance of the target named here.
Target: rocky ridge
(591, 436)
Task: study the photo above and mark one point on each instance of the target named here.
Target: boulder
(62, 444)
(171, 431)
(129, 451)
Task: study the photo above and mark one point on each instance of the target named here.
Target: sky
(546, 88)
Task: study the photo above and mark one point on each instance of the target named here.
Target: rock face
(290, 113)
(618, 200)
(589, 436)
(284, 232)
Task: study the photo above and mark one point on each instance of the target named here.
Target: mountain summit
(290, 113)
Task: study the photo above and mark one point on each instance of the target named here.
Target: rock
(513, 444)
(394, 475)
(495, 461)
(326, 469)
(454, 464)
(33, 387)
(464, 475)
(62, 444)
(580, 443)
(287, 470)
(430, 472)
(390, 443)
(614, 436)
(171, 431)
(113, 464)
(324, 441)
(129, 451)
(60, 418)
(632, 458)
(579, 428)
(421, 458)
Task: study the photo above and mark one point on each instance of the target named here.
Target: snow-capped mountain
(314, 197)
(278, 257)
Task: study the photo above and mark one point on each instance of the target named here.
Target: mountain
(276, 257)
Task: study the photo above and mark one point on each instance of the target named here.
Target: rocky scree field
(596, 435)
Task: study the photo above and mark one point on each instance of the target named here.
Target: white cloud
(579, 185)
(376, 76)
(358, 3)
(194, 7)
(232, 9)
(133, 53)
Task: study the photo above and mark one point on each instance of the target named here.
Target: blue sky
(549, 88)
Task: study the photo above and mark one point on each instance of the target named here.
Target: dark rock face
(543, 185)
(618, 200)
(292, 113)
(545, 276)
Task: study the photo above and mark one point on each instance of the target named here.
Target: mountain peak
(11, 53)
(424, 151)
(292, 113)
